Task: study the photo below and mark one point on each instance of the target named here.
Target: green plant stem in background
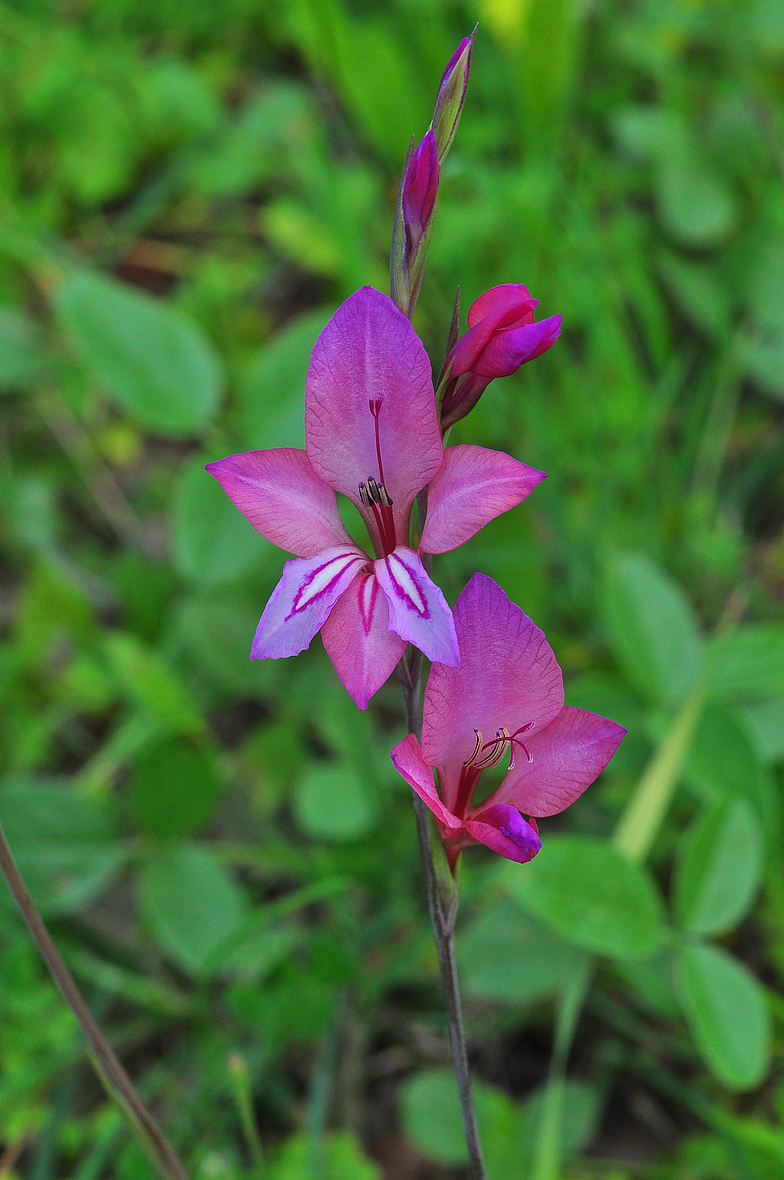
(643, 815)
(570, 1003)
(442, 904)
(243, 1098)
(108, 1067)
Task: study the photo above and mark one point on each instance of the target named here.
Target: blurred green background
(187, 191)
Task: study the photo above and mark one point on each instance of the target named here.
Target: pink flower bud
(501, 336)
(420, 188)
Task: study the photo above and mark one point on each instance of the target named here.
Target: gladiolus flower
(505, 697)
(372, 433)
(501, 336)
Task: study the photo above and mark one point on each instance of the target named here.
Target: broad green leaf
(155, 363)
(218, 633)
(64, 842)
(762, 356)
(213, 542)
(271, 391)
(719, 867)
(173, 789)
(651, 628)
(727, 1013)
(151, 684)
(504, 954)
(431, 1117)
(765, 286)
(21, 354)
(591, 895)
(722, 761)
(340, 1158)
(765, 725)
(331, 802)
(747, 664)
(189, 903)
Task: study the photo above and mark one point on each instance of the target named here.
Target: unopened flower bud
(501, 336)
(451, 96)
(420, 188)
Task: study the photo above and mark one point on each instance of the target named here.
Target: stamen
(373, 489)
(364, 496)
(386, 499)
(476, 749)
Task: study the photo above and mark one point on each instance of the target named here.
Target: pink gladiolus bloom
(501, 336)
(506, 695)
(372, 433)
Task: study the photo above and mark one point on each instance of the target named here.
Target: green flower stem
(243, 1100)
(643, 815)
(107, 1065)
(442, 903)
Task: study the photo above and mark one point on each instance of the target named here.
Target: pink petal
(508, 676)
(303, 599)
(368, 352)
(358, 641)
(568, 755)
(505, 831)
(418, 611)
(499, 301)
(407, 758)
(510, 348)
(473, 486)
(283, 499)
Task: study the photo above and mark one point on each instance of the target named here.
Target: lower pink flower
(506, 697)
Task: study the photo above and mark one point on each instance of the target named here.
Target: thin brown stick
(108, 1067)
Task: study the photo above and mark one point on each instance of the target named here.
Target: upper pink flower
(501, 337)
(372, 433)
(506, 695)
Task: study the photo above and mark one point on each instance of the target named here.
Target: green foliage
(157, 366)
(593, 896)
(727, 1012)
(188, 191)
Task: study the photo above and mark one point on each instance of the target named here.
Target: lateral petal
(418, 611)
(302, 600)
(499, 301)
(358, 641)
(283, 498)
(504, 830)
(473, 486)
(508, 676)
(369, 353)
(510, 348)
(407, 758)
(568, 754)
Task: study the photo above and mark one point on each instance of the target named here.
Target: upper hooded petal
(499, 301)
(407, 758)
(568, 754)
(368, 352)
(358, 641)
(302, 600)
(508, 676)
(418, 611)
(473, 486)
(283, 498)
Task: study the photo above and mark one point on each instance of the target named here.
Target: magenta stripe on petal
(302, 600)
(418, 611)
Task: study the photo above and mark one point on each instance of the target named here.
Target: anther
(364, 495)
(373, 489)
(386, 499)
